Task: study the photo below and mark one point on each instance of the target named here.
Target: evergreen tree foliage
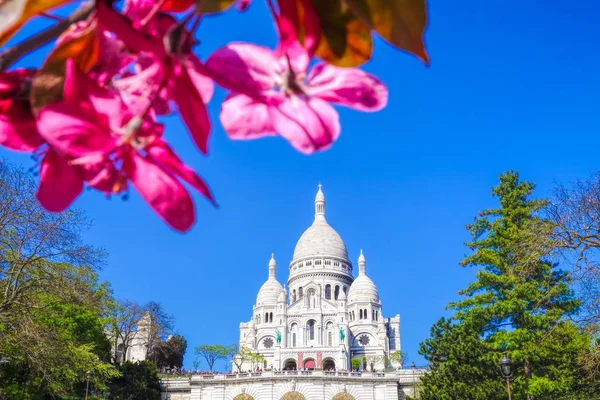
(520, 302)
(138, 381)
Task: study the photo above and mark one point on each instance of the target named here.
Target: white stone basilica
(309, 333)
(326, 317)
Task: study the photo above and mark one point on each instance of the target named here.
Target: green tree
(169, 353)
(520, 303)
(212, 353)
(355, 363)
(397, 358)
(138, 381)
(52, 304)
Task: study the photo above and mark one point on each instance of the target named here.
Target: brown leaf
(401, 22)
(345, 41)
(82, 46)
(15, 13)
(213, 6)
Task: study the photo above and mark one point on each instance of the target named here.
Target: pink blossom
(17, 124)
(276, 92)
(177, 69)
(98, 132)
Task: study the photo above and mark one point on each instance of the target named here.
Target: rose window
(363, 340)
(268, 343)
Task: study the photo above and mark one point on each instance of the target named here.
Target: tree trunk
(527, 374)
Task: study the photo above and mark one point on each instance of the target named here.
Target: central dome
(320, 239)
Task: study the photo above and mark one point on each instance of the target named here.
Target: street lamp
(506, 369)
(88, 376)
(414, 367)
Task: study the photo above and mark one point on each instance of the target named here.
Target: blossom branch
(11, 55)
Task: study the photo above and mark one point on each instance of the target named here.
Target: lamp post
(414, 367)
(506, 369)
(88, 376)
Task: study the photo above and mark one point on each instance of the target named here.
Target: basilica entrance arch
(290, 365)
(310, 364)
(328, 364)
(343, 396)
(243, 396)
(293, 396)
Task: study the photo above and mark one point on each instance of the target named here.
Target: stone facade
(326, 317)
(309, 333)
(291, 385)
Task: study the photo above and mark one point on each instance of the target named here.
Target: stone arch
(328, 364)
(290, 365)
(243, 396)
(310, 363)
(343, 396)
(293, 396)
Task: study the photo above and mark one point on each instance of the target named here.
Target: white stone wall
(315, 385)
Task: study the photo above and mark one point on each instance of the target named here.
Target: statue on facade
(278, 338)
(293, 385)
(342, 335)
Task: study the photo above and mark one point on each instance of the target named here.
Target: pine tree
(519, 303)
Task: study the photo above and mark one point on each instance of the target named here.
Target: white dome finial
(320, 205)
(272, 265)
(362, 263)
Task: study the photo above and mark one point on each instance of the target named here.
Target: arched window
(300, 292)
(330, 339)
(365, 314)
(373, 314)
(271, 317)
(266, 317)
(293, 339)
(345, 290)
(328, 292)
(337, 291)
(311, 329)
(360, 314)
(294, 296)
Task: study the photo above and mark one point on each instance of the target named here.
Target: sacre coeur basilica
(309, 330)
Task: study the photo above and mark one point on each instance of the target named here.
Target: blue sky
(513, 84)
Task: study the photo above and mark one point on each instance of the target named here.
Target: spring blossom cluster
(105, 131)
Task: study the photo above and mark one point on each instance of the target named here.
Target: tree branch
(11, 55)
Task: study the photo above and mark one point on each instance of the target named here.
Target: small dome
(282, 296)
(362, 289)
(270, 290)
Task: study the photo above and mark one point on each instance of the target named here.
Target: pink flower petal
(103, 176)
(191, 107)
(60, 183)
(81, 88)
(245, 118)
(204, 85)
(74, 128)
(161, 152)
(134, 39)
(295, 57)
(167, 197)
(19, 135)
(351, 87)
(308, 125)
(244, 68)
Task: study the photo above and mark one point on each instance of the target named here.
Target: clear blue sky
(513, 84)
